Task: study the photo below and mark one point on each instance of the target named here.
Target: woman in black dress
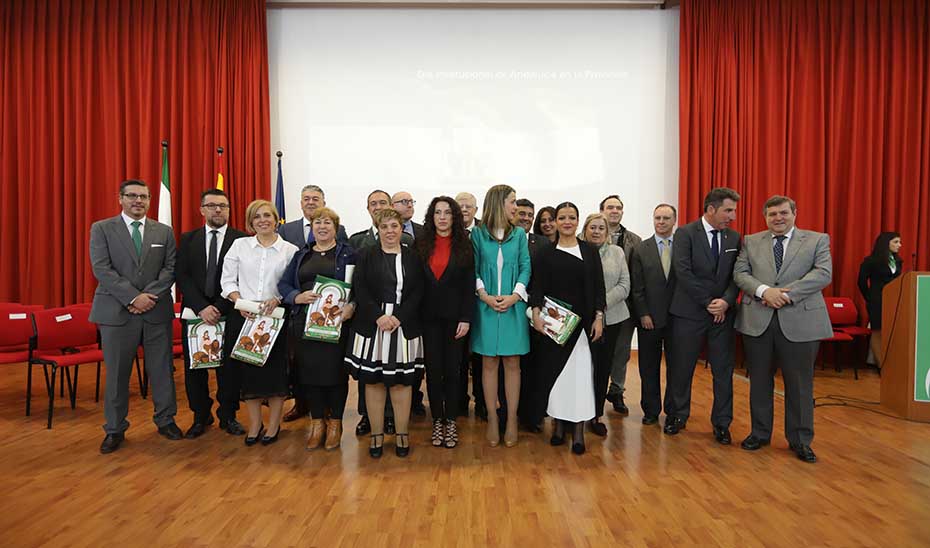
(321, 374)
(448, 306)
(876, 270)
(385, 351)
(569, 271)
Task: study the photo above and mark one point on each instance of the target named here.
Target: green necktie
(891, 263)
(137, 237)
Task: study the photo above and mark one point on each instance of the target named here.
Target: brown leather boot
(317, 428)
(333, 434)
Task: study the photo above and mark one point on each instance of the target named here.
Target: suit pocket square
(158, 245)
(730, 250)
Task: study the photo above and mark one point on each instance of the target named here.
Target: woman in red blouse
(446, 311)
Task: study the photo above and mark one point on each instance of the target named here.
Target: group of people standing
(433, 299)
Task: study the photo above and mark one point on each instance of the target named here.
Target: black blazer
(368, 284)
(594, 289)
(651, 293)
(873, 277)
(698, 279)
(191, 270)
(452, 296)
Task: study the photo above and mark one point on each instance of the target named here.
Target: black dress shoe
(618, 403)
(753, 443)
(804, 452)
(598, 428)
(530, 427)
(111, 443)
(196, 430)
(402, 451)
(389, 426)
(171, 431)
(268, 440)
(376, 447)
(364, 427)
(722, 435)
(650, 420)
(558, 433)
(673, 425)
(578, 448)
(250, 441)
(232, 427)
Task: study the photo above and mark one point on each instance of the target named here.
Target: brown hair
(326, 212)
(252, 210)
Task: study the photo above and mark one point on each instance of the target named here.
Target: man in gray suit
(133, 261)
(782, 272)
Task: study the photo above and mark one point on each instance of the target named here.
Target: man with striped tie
(782, 317)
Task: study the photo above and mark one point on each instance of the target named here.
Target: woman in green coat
(501, 328)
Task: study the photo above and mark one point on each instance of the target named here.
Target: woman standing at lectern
(876, 270)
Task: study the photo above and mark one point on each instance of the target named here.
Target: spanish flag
(221, 163)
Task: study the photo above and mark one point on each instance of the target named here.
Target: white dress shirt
(761, 289)
(220, 235)
(710, 236)
(308, 226)
(253, 270)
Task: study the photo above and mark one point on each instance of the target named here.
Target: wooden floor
(637, 487)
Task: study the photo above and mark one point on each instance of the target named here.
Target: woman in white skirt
(570, 272)
(385, 351)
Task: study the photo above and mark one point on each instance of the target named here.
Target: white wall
(560, 104)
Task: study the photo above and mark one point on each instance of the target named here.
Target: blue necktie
(779, 250)
(715, 246)
(310, 239)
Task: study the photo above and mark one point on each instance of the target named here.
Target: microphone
(913, 261)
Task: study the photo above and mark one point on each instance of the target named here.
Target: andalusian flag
(279, 193)
(164, 190)
(220, 169)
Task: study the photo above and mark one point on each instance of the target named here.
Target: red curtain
(88, 90)
(827, 101)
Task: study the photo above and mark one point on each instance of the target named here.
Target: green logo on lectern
(922, 354)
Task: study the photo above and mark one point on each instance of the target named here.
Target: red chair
(177, 351)
(845, 320)
(15, 331)
(64, 338)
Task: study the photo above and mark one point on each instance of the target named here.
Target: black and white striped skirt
(386, 358)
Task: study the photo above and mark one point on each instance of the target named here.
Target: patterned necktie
(779, 250)
(210, 285)
(891, 263)
(715, 245)
(137, 237)
(666, 256)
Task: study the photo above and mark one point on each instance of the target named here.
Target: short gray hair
(778, 200)
(314, 188)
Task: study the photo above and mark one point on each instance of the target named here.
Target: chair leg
(97, 390)
(51, 393)
(28, 388)
(61, 387)
(72, 385)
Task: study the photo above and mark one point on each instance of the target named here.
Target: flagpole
(220, 176)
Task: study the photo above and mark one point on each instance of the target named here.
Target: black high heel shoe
(402, 451)
(268, 440)
(375, 450)
(558, 433)
(250, 441)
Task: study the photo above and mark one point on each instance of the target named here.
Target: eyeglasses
(466, 207)
(216, 206)
(133, 196)
(406, 202)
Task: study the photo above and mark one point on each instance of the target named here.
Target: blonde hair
(495, 217)
(252, 210)
(592, 217)
(387, 214)
(326, 212)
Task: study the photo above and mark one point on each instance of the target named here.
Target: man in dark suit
(299, 233)
(612, 208)
(200, 264)
(703, 307)
(782, 272)
(404, 204)
(133, 260)
(653, 283)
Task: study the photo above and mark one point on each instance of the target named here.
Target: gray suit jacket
(806, 269)
(122, 276)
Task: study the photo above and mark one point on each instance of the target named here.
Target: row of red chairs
(846, 328)
(59, 338)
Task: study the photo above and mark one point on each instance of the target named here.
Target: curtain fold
(826, 101)
(88, 90)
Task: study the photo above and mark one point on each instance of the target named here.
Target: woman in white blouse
(251, 270)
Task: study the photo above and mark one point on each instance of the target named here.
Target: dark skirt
(319, 363)
(386, 358)
(269, 381)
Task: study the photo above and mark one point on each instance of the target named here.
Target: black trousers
(443, 354)
(323, 398)
(603, 352)
(689, 335)
(796, 360)
(197, 386)
(651, 343)
(532, 408)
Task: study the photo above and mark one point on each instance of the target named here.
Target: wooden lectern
(906, 346)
